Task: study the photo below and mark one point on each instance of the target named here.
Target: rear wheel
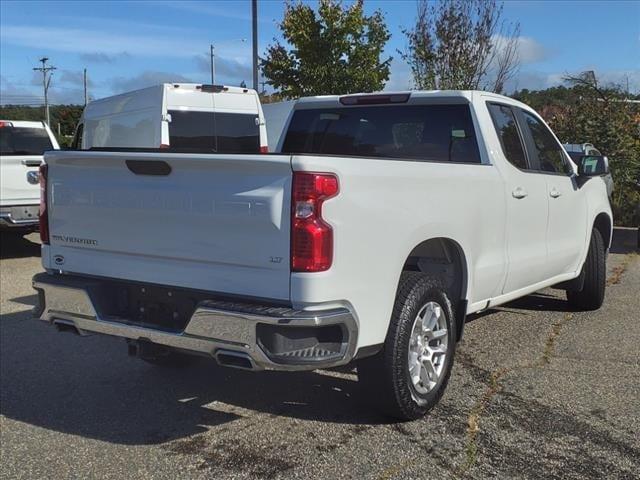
(591, 296)
(408, 377)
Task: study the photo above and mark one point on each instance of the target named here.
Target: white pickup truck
(22, 144)
(382, 221)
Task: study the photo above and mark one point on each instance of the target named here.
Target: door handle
(555, 193)
(31, 163)
(519, 192)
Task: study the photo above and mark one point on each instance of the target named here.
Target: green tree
(461, 45)
(602, 115)
(605, 117)
(335, 50)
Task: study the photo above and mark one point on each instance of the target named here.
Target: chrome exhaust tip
(230, 358)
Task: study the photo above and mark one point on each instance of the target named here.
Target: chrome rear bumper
(19, 217)
(218, 329)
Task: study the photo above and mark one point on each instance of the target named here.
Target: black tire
(171, 359)
(385, 377)
(591, 296)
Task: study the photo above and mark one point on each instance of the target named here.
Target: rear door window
(209, 132)
(506, 127)
(24, 141)
(439, 133)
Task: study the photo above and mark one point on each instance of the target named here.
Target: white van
(277, 116)
(182, 117)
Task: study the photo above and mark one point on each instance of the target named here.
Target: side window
(550, 154)
(504, 122)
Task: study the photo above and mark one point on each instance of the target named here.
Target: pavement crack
(494, 387)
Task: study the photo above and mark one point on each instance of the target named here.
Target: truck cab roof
(403, 96)
(22, 124)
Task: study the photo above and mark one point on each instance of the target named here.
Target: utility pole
(213, 68)
(46, 81)
(254, 21)
(84, 80)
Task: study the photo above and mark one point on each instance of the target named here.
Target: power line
(46, 81)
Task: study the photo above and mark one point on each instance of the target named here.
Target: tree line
(64, 118)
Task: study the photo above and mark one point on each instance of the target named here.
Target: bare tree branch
(454, 45)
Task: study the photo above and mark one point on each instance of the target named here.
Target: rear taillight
(43, 216)
(311, 236)
(264, 149)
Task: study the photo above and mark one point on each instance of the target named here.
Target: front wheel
(408, 377)
(591, 296)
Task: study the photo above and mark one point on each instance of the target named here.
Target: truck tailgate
(217, 223)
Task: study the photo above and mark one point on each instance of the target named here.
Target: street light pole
(212, 56)
(84, 83)
(213, 68)
(254, 21)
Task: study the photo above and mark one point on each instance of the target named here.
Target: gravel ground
(537, 392)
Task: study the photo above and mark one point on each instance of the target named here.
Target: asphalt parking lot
(537, 392)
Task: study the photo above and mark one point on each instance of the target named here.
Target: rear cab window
(24, 141)
(438, 133)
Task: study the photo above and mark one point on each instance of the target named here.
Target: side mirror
(593, 166)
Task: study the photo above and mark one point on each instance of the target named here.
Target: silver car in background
(577, 150)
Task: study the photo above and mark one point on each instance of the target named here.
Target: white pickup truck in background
(22, 144)
(382, 221)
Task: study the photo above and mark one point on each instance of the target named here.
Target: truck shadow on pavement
(90, 387)
(13, 245)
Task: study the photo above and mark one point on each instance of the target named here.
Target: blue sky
(127, 45)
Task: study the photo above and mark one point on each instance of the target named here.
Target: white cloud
(400, 77)
(85, 41)
(226, 69)
(229, 9)
(12, 94)
(101, 57)
(529, 50)
(75, 78)
(145, 79)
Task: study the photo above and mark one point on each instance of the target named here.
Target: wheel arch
(604, 224)
(445, 258)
